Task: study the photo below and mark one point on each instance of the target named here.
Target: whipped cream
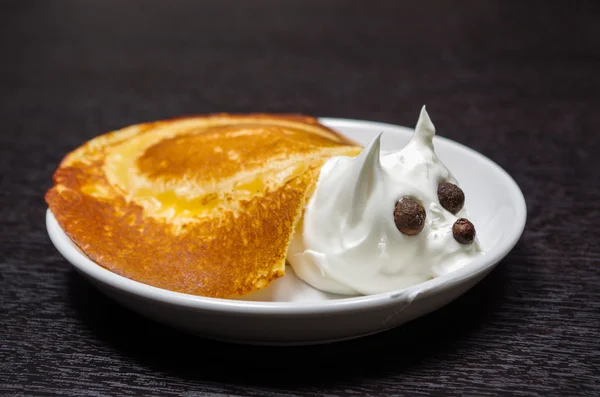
(348, 242)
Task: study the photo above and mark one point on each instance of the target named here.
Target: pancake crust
(202, 205)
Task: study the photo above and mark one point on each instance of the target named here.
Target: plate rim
(482, 264)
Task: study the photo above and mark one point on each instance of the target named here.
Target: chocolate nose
(463, 231)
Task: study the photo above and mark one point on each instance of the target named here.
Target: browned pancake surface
(201, 205)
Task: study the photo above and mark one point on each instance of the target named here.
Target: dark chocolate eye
(451, 197)
(409, 216)
(463, 231)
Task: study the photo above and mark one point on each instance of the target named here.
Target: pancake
(202, 205)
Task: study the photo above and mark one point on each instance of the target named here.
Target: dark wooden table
(518, 81)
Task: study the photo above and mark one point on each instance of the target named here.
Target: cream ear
(367, 165)
(425, 130)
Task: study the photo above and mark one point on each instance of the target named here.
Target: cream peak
(425, 130)
(368, 165)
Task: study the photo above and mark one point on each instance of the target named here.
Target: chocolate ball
(409, 216)
(451, 197)
(463, 231)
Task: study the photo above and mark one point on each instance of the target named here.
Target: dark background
(518, 81)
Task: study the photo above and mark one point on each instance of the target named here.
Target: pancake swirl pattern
(201, 205)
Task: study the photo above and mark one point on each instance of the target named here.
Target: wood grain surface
(518, 81)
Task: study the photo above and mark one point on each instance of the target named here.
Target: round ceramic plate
(289, 311)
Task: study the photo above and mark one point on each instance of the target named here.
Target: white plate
(290, 312)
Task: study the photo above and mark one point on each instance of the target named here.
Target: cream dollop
(348, 242)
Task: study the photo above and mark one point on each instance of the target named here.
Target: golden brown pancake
(201, 205)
